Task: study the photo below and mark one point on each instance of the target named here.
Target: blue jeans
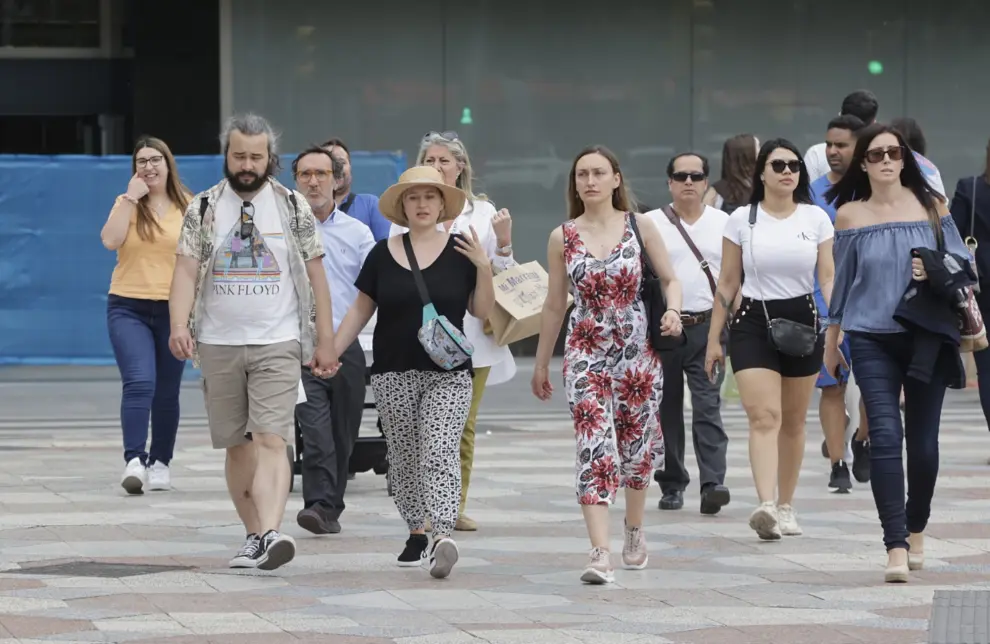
(151, 376)
(880, 362)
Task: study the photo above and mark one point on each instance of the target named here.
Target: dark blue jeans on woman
(151, 376)
(880, 363)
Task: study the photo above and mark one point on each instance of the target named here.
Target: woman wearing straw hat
(493, 365)
(423, 385)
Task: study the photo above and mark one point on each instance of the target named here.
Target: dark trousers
(710, 441)
(330, 420)
(880, 363)
(151, 376)
(982, 360)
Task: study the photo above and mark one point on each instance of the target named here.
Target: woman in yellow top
(143, 228)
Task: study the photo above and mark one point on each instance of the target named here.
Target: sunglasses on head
(778, 166)
(448, 135)
(876, 155)
(247, 220)
(681, 177)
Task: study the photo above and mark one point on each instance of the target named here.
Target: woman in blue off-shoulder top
(886, 208)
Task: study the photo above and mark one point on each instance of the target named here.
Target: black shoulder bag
(653, 299)
(789, 337)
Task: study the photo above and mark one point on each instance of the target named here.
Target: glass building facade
(528, 83)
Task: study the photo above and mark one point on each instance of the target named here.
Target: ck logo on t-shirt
(804, 237)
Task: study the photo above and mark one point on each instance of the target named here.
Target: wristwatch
(504, 250)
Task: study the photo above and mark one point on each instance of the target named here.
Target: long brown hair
(178, 194)
(621, 199)
(738, 164)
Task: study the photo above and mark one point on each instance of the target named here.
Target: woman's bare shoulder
(852, 215)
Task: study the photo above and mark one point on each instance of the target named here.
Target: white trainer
(135, 477)
(159, 477)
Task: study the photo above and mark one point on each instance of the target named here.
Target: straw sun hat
(390, 203)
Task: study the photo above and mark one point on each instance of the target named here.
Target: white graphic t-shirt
(250, 298)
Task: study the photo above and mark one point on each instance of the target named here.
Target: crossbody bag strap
(417, 274)
(971, 239)
(752, 256)
(674, 219)
(643, 255)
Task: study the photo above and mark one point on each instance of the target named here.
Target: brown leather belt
(692, 319)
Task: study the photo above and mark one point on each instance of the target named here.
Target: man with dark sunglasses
(249, 304)
(692, 233)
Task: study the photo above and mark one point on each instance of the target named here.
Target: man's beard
(245, 181)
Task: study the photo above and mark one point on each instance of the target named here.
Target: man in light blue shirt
(840, 142)
(363, 207)
(331, 416)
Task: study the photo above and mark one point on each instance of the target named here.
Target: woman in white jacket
(493, 364)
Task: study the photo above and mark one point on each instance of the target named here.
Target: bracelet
(130, 198)
(674, 310)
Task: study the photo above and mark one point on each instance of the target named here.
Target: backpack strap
(204, 202)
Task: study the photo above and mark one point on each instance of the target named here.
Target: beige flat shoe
(916, 554)
(465, 524)
(895, 573)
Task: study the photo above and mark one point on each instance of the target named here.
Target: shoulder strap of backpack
(204, 202)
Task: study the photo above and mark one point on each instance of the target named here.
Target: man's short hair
(338, 166)
(701, 157)
(862, 104)
(846, 122)
(337, 143)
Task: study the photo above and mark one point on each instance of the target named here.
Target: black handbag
(789, 337)
(653, 299)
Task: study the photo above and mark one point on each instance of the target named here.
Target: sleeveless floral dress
(612, 377)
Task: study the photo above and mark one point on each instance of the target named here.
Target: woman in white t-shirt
(778, 242)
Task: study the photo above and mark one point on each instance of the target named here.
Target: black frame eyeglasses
(247, 220)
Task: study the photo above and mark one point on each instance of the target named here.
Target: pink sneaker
(634, 555)
(599, 569)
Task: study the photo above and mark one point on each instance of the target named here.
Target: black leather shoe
(673, 500)
(714, 498)
(317, 520)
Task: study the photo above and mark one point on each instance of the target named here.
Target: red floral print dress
(612, 376)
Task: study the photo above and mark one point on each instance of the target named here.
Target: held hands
(136, 187)
(325, 361)
(670, 323)
(540, 383)
(502, 224)
(471, 247)
(918, 273)
(180, 343)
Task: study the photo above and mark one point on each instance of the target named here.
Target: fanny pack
(447, 347)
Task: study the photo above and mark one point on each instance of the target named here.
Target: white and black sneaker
(247, 556)
(417, 547)
(443, 557)
(277, 549)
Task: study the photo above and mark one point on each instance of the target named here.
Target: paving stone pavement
(709, 579)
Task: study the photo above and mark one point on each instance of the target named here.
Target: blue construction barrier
(55, 272)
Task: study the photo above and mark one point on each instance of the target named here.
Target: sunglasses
(247, 220)
(681, 177)
(876, 155)
(448, 135)
(778, 166)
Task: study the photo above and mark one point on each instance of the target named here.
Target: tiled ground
(709, 579)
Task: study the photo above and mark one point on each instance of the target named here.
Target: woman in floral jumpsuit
(612, 376)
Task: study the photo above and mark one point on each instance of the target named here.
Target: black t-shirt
(450, 280)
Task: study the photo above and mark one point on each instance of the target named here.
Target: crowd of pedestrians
(845, 269)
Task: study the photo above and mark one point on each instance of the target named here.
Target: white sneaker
(443, 557)
(158, 477)
(764, 521)
(135, 477)
(788, 521)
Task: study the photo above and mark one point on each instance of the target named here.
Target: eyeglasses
(681, 177)
(321, 175)
(247, 220)
(778, 166)
(154, 161)
(876, 155)
(449, 135)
